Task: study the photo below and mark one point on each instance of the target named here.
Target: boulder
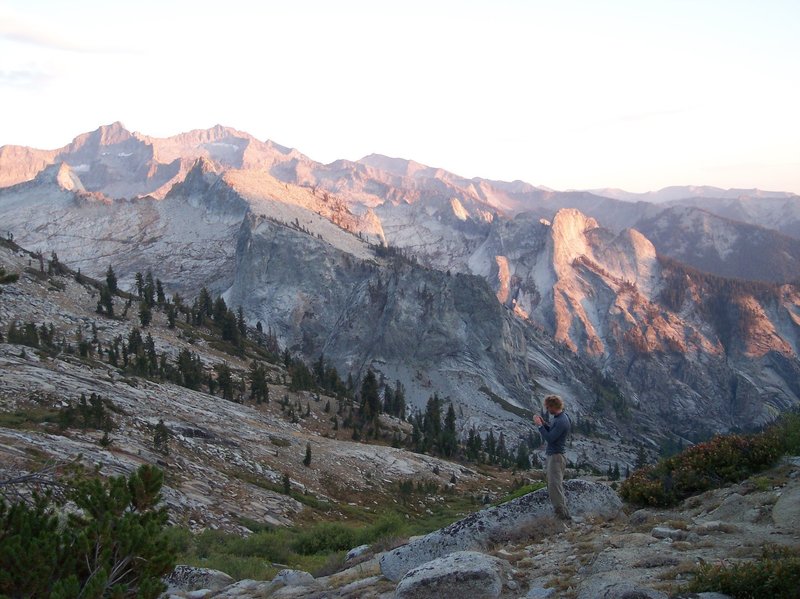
(293, 578)
(356, 552)
(459, 574)
(786, 512)
(187, 578)
(516, 519)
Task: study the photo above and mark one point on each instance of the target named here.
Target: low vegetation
(723, 460)
(84, 537)
(319, 548)
(776, 574)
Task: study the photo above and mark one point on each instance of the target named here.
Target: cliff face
(432, 331)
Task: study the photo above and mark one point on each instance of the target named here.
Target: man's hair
(554, 401)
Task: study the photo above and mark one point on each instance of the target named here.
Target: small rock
(356, 552)
(662, 532)
(294, 578)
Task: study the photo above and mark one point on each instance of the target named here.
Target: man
(555, 434)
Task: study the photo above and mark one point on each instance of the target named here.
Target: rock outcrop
(503, 523)
(460, 574)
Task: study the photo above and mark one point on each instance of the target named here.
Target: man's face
(552, 410)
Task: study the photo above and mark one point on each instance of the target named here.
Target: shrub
(776, 575)
(113, 546)
(724, 459)
(325, 537)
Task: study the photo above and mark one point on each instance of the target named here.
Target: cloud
(25, 78)
(18, 30)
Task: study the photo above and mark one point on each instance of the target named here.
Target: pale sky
(569, 94)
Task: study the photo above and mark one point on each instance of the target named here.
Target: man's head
(553, 404)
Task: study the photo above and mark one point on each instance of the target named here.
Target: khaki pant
(556, 465)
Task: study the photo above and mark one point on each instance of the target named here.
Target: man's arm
(555, 431)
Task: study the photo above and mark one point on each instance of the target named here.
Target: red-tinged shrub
(709, 465)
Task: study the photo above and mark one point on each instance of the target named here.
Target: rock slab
(511, 520)
(459, 574)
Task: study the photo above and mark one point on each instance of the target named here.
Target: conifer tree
(139, 285)
(161, 437)
(370, 400)
(259, 390)
(145, 313)
(113, 545)
(449, 442)
(224, 381)
(523, 460)
(106, 302)
(111, 280)
(161, 298)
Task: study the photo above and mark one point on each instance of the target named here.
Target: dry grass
(680, 571)
(678, 524)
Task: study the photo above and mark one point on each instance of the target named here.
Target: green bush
(113, 546)
(325, 537)
(271, 545)
(788, 428)
(388, 525)
(724, 459)
(775, 575)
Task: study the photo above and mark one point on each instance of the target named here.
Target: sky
(568, 94)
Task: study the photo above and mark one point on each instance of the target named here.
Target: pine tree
(161, 298)
(307, 459)
(523, 460)
(432, 423)
(491, 446)
(241, 325)
(161, 436)
(149, 289)
(259, 390)
(370, 400)
(399, 400)
(449, 443)
(113, 545)
(224, 381)
(111, 280)
(145, 313)
(106, 302)
(139, 285)
(220, 310)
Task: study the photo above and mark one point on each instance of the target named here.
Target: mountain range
(672, 315)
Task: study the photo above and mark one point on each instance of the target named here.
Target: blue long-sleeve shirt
(556, 433)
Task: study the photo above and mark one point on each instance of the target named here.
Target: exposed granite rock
(188, 578)
(618, 590)
(510, 520)
(786, 512)
(459, 574)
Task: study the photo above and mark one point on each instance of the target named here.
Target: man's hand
(537, 420)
